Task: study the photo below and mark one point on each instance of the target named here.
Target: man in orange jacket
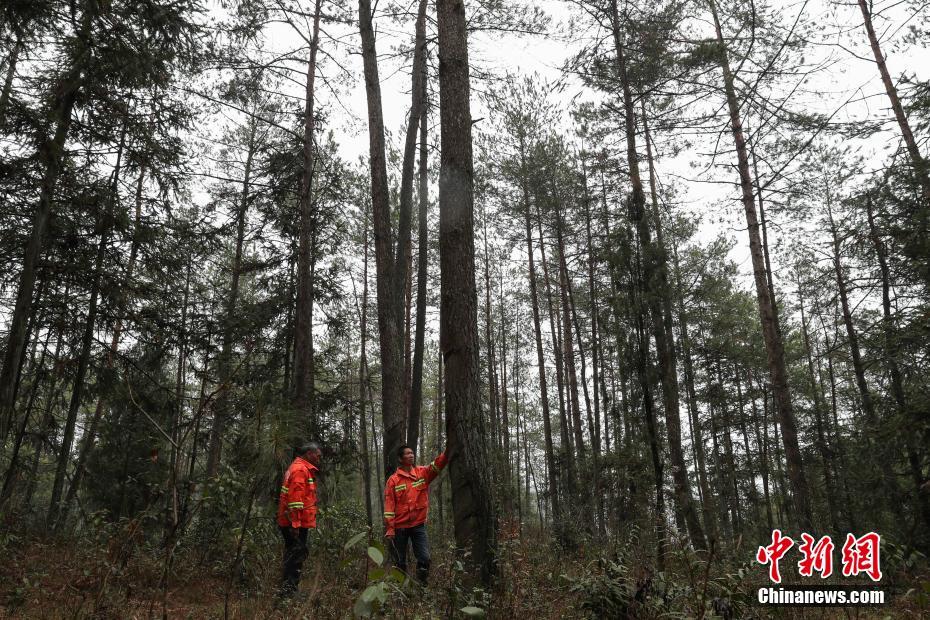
(406, 504)
(297, 512)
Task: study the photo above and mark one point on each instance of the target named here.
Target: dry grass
(120, 578)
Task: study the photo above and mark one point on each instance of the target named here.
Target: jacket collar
(307, 463)
(412, 474)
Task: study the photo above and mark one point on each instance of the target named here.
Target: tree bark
(642, 371)
(770, 331)
(566, 456)
(12, 61)
(48, 420)
(363, 383)
(490, 345)
(708, 507)
(750, 467)
(825, 453)
(474, 512)
(669, 366)
(655, 283)
(917, 161)
(892, 352)
(91, 432)
(416, 388)
(20, 437)
(762, 442)
(853, 339)
(303, 398)
(729, 469)
(596, 371)
(568, 355)
(390, 269)
(56, 507)
(50, 155)
(222, 410)
(553, 474)
(505, 420)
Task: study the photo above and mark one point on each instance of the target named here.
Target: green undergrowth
(125, 570)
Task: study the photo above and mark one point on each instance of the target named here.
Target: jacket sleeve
(433, 469)
(309, 496)
(296, 490)
(389, 508)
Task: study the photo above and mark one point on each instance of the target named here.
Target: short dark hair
(400, 450)
(308, 446)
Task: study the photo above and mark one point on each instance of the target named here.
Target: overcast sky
(848, 86)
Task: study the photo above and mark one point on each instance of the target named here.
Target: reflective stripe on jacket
(406, 495)
(297, 501)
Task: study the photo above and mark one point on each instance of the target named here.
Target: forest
(653, 275)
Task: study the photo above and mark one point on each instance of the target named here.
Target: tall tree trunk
(390, 269)
(596, 372)
(642, 370)
(404, 259)
(566, 455)
(416, 389)
(91, 432)
(173, 516)
(20, 437)
(474, 512)
(917, 161)
(594, 430)
(770, 330)
(494, 403)
(408, 341)
(750, 466)
(892, 352)
(56, 507)
(222, 410)
(30, 329)
(708, 508)
(553, 473)
(515, 480)
(50, 155)
(303, 313)
(655, 281)
(730, 467)
(825, 452)
(669, 367)
(762, 442)
(437, 443)
(853, 338)
(11, 63)
(725, 507)
(363, 383)
(847, 504)
(505, 421)
(568, 355)
(289, 322)
(57, 510)
(48, 420)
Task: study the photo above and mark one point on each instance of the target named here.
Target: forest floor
(46, 578)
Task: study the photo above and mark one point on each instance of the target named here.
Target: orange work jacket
(297, 502)
(406, 495)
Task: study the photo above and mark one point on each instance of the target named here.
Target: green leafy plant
(382, 582)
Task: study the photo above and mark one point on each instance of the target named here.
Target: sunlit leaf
(355, 540)
(472, 612)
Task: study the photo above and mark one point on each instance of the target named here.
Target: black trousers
(295, 552)
(415, 537)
